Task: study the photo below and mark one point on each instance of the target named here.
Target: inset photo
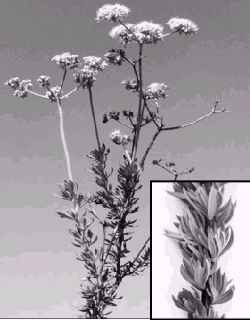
(200, 256)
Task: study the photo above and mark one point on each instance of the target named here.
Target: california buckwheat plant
(203, 237)
(104, 240)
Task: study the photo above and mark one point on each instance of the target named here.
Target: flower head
(156, 91)
(13, 83)
(20, 87)
(95, 63)
(115, 56)
(148, 32)
(85, 76)
(25, 85)
(54, 93)
(66, 59)
(44, 81)
(124, 34)
(182, 25)
(118, 138)
(112, 12)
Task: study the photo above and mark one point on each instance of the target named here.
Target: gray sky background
(37, 268)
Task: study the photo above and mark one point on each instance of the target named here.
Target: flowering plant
(203, 236)
(105, 254)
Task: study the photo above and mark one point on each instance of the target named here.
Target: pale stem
(205, 116)
(67, 95)
(94, 117)
(37, 94)
(63, 140)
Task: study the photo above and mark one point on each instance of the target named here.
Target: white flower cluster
(66, 59)
(112, 12)
(122, 33)
(118, 138)
(20, 87)
(156, 91)
(145, 32)
(44, 81)
(87, 74)
(54, 93)
(182, 25)
(13, 83)
(148, 32)
(96, 63)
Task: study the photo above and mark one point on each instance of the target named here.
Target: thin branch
(63, 79)
(130, 31)
(63, 139)
(205, 116)
(132, 263)
(169, 171)
(109, 248)
(37, 94)
(92, 211)
(169, 34)
(139, 114)
(67, 95)
(141, 250)
(134, 68)
(174, 172)
(94, 117)
(131, 121)
(142, 163)
(123, 124)
(151, 114)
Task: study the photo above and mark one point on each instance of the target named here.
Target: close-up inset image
(199, 253)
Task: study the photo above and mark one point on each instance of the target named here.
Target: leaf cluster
(105, 259)
(203, 237)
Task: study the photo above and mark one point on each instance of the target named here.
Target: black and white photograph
(99, 99)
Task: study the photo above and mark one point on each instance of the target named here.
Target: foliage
(203, 237)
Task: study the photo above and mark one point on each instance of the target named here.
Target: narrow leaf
(212, 202)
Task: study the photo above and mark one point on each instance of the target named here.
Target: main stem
(63, 139)
(139, 114)
(149, 148)
(94, 117)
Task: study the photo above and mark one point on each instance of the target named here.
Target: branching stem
(94, 116)
(140, 107)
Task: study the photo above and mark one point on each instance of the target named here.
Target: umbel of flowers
(203, 237)
(105, 252)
